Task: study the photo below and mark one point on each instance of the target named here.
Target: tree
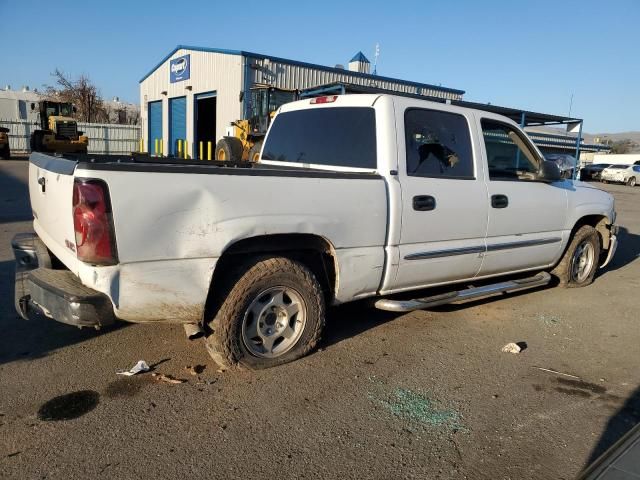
(81, 92)
(623, 146)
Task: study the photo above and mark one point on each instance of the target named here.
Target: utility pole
(570, 105)
(375, 59)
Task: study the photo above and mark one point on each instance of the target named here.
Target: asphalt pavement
(427, 394)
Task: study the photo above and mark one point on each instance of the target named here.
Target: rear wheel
(580, 261)
(254, 153)
(229, 149)
(273, 313)
(631, 182)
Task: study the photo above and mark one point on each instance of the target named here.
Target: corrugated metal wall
(103, 138)
(209, 71)
(291, 76)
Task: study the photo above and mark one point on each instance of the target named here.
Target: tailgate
(51, 192)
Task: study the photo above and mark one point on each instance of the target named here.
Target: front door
(444, 200)
(526, 217)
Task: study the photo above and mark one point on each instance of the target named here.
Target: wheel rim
(221, 155)
(632, 182)
(582, 262)
(256, 157)
(274, 322)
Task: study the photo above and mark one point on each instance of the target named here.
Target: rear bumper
(58, 294)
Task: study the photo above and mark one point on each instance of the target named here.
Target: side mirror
(80, 133)
(33, 107)
(549, 172)
(74, 109)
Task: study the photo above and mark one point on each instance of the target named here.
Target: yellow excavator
(244, 137)
(58, 131)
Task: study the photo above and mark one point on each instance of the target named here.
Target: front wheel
(273, 313)
(254, 153)
(631, 182)
(580, 261)
(229, 149)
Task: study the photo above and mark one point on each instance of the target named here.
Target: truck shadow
(14, 200)
(341, 326)
(618, 425)
(628, 251)
(30, 339)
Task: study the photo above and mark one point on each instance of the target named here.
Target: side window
(438, 144)
(636, 168)
(508, 155)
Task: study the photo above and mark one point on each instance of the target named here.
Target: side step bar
(542, 278)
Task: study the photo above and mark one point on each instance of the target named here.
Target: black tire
(5, 153)
(227, 345)
(254, 153)
(36, 142)
(631, 182)
(565, 271)
(229, 149)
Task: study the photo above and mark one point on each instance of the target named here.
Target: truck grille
(67, 129)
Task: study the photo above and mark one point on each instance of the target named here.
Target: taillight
(92, 223)
(328, 99)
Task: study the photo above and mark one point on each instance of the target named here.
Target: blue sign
(180, 69)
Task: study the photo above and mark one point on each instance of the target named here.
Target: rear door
(526, 217)
(444, 198)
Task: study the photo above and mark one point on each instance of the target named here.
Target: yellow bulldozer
(244, 137)
(58, 131)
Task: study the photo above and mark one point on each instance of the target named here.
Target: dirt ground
(422, 395)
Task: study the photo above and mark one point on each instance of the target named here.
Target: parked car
(628, 174)
(593, 171)
(566, 163)
(353, 197)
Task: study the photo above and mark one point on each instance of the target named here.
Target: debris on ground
(139, 367)
(168, 378)
(549, 320)
(511, 348)
(195, 369)
(418, 408)
(221, 370)
(550, 370)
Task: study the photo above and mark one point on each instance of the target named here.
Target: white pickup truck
(356, 196)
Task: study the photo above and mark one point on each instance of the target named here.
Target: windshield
(620, 167)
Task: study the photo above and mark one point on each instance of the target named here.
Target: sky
(532, 55)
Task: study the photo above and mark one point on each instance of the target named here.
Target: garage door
(155, 125)
(177, 122)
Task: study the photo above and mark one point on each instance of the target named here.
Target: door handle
(424, 203)
(43, 183)
(499, 201)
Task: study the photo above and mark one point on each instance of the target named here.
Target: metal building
(194, 93)
(16, 104)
